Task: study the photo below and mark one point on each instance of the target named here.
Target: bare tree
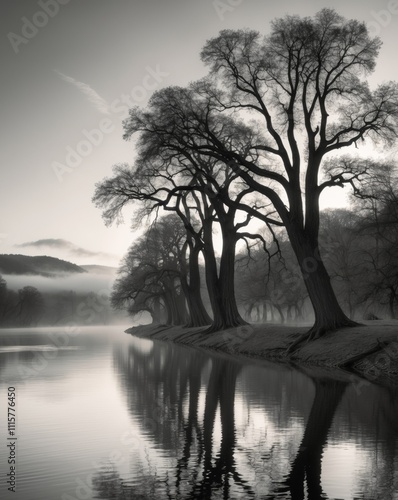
(150, 275)
(306, 84)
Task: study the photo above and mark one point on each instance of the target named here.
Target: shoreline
(368, 351)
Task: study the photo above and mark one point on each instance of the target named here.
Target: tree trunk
(182, 316)
(175, 305)
(221, 286)
(264, 316)
(167, 305)
(156, 312)
(231, 314)
(328, 313)
(281, 315)
(392, 298)
(198, 315)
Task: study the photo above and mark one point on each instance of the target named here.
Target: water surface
(101, 414)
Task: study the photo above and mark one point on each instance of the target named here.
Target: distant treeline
(360, 251)
(29, 307)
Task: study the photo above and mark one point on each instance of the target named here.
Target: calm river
(101, 414)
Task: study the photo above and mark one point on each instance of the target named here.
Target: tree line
(359, 246)
(29, 307)
(256, 141)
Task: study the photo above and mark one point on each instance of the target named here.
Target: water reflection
(213, 427)
(305, 473)
(106, 415)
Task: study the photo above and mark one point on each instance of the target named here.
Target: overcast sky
(69, 78)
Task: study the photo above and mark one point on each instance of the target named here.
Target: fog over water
(82, 282)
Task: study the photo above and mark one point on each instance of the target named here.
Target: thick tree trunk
(328, 313)
(221, 286)
(175, 305)
(231, 314)
(198, 315)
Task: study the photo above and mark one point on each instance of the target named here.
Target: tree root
(216, 327)
(359, 357)
(316, 332)
(294, 345)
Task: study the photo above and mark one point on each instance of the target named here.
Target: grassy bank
(369, 350)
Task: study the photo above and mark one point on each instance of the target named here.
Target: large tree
(304, 89)
(203, 192)
(306, 84)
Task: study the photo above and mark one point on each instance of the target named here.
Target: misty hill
(39, 265)
(97, 269)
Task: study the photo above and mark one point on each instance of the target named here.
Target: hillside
(108, 270)
(40, 265)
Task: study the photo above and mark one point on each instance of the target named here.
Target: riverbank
(369, 350)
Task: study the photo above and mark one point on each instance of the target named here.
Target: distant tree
(343, 248)
(378, 227)
(150, 275)
(30, 306)
(272, 285)
(3, 298)
(60, 307)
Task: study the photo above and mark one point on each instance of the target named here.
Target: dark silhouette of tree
(220, 471)
(307, 466)
(271, 285)
(3, 298)
(8, 304)
(151, 273)
(163, 381)
(305, 82)
(344, 257)
(378, 227)
(30, 306)
(305, 88)
(202, 191)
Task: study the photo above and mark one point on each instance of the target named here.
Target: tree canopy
(263, 135)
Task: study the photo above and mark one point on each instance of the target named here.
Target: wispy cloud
(60, 244)
(98, 102)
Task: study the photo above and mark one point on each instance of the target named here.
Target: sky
(70, 70)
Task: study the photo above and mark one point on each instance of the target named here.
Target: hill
(98, 269)
(39, 265)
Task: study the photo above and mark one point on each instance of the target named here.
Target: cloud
(60, 244)
(99, 102)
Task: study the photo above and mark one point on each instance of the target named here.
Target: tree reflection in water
(185, 406)
(306, 467)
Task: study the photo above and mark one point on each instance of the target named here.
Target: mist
(81, 299)
(80, 283)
